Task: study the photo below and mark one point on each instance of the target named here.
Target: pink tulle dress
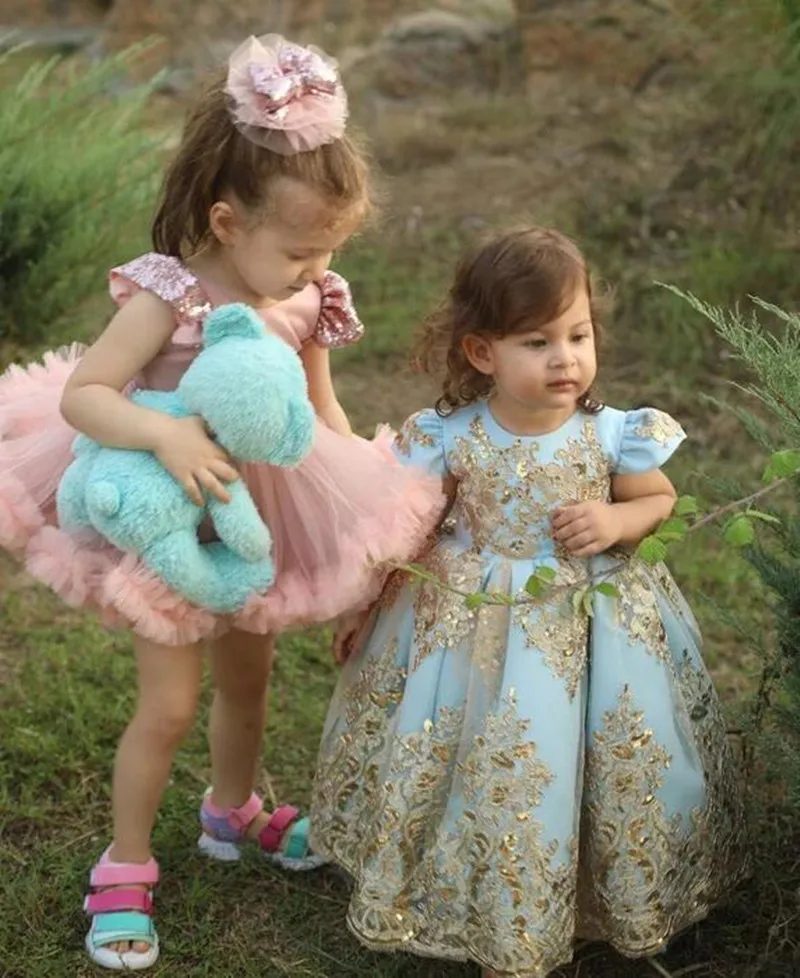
(335, 518)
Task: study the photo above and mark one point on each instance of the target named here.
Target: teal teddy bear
(250, 389)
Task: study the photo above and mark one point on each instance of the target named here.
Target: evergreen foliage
(773, 357)
(75, 167)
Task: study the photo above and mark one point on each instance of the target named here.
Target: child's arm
(317, 364)
(640, 503)
(93, 401)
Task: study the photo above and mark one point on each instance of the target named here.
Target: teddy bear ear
(236, 319)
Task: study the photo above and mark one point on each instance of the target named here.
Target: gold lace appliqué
(438, 879)
(658, 427)
(441, 617)
(553, 627)
(646, 874)
(412, 433)
(506, 497)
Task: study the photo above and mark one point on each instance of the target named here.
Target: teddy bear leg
(209, 575)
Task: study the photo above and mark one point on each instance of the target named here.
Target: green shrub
(76, 166)
(772, 357)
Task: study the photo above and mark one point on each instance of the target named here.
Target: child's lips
(563, 385)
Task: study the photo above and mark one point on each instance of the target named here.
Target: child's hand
(586, 529)
(185, 450)
(347, 631)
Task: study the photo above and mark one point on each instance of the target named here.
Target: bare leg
(241, 665)
(169, 683)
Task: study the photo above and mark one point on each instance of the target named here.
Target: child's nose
(562, 354)
(317, 268)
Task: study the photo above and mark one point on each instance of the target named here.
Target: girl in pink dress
(265, 186)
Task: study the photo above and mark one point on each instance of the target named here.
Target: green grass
(60, 717)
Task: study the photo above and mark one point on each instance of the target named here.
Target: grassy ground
(676, 184)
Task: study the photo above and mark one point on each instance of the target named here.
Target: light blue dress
(501, 780)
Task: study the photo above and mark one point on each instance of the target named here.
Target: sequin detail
(658, 427)
(169, 279)
(652, 872)
(506, 496)
(420, 865)
(413, 433)
(338, 323)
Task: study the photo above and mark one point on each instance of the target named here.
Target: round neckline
(494, 423)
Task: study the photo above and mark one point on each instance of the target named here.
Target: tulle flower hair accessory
(285, 97)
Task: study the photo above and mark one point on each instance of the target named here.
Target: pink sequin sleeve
(170, 280)
(338, 324)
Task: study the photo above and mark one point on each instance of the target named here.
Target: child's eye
(536, 344)
(579, 337)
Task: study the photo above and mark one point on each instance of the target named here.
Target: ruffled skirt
(335, 519)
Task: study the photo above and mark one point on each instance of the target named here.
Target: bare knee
(166, 722)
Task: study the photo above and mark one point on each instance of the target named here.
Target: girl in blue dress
(502, 779)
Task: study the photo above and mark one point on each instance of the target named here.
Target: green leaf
(651, 550)
(782, 464)
(671, 530)
(756, 514)
(674, 525)
(588, 603)
(739, 532)
(546, 574)
(473, 601)
(577, 601)
(534, 586)
(686, 506)
(608, 589)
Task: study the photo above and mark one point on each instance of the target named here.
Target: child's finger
(223, 470)
(193, 490)
(590, 550)
(211, 484)
(565, 514)
(562, 521)
(579, 542)
(572, 529)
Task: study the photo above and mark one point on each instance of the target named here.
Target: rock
(436, 52)
(605, 41)
(465, 42)
(52, 13)
(59, 24)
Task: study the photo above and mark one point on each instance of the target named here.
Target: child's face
(545, 369)
(281, 256)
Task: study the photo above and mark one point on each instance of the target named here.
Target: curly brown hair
(511, 282)
(214, 158)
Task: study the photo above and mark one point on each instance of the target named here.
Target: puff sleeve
(338, 324)
(420, 442)
(649, 439)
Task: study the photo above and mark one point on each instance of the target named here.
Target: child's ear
(478, 350)
(223, 221)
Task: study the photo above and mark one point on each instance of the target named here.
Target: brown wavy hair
(214, 158)
(511, 282)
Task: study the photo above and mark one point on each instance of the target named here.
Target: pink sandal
(283, 840)
(121, 915)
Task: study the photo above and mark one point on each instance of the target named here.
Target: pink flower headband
(285, 97)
